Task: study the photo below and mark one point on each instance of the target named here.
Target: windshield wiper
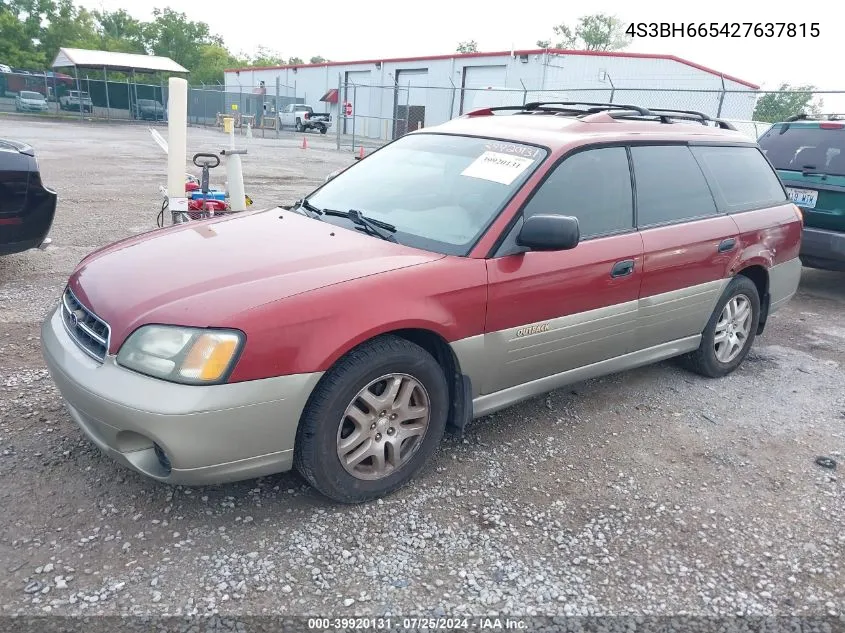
(372, 226)
(302, 203)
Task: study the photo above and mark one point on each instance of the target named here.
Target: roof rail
(614, 110)
(560, 107)
(592, 106)
(693, 115)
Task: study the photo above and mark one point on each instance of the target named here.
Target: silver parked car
(30, 101)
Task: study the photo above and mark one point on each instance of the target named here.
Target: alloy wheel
(383, 426)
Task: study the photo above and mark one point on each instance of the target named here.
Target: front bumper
(178, 434)
(823, 249)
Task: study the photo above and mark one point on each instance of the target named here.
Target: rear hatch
(810, 159)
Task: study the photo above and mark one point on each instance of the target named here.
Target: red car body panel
(310, 331)
(768, 236)
(540, 286)
(684, 255)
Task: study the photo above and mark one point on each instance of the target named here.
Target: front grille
(88, 330)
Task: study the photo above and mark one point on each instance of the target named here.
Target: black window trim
(496, 249)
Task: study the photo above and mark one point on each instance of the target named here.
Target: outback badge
(532, 329)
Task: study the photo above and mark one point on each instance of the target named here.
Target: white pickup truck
(302, 117)
(74, 99)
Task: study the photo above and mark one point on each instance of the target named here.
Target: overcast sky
(350, 30)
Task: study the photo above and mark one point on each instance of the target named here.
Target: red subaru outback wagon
(451, 273)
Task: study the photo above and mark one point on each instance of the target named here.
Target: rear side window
(670, 185)
(740, 177)
(595, 187)
(800, 147)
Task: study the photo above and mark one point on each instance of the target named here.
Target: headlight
(191, 356)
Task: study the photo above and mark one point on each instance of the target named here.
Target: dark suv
(809, 155)
(27, 207)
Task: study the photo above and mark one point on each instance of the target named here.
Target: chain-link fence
(368, 115)
(385, 112)
(88, 97)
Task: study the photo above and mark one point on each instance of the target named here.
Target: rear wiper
(807, 170)
(371, 225)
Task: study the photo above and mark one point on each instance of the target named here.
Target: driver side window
(593, 185)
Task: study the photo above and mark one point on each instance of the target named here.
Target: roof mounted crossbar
(666, 115)
(591, 106)
(561, 107)
(614, 110)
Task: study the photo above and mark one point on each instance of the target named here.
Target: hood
(205, 273)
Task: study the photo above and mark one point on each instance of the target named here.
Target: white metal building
(389, 94)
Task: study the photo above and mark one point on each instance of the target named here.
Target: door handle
(623, 268)
(727, 245)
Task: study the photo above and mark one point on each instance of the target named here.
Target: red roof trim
(535, 51)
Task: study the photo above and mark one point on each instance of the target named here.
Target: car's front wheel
(373, 421)
(730, 332)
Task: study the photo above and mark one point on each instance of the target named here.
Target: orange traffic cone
(361, 153)
(304, 143)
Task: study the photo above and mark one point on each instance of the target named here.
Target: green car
(809, 156)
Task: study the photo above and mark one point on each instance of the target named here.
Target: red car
(454, 272)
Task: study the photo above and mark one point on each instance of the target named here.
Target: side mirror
(549, 232)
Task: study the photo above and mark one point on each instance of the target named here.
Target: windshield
(148, 103)
(441, 192)
(813, 148)
(26, 94)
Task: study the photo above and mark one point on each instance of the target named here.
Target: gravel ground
(652, 492)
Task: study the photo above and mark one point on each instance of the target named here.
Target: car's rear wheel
(322, 129)
(373, 421)
(730, 331)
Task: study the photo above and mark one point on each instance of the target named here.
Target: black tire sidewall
(330, 476)
(739, 285)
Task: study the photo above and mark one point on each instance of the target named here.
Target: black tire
(298, 125)
(703, 361)
(322, 129)
(315, 452)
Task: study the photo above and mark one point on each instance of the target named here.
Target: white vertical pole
(177, 143)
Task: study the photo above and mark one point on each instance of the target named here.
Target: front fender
(309, 332)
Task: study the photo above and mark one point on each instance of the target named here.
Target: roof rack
(614, 110)
(667, 114)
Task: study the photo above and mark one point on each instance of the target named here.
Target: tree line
(32, 31)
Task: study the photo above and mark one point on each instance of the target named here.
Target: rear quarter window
(740, 177)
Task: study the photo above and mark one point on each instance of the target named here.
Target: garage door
(482, 86)
(358, 91)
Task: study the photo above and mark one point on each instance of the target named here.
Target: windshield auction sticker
(497, 167)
